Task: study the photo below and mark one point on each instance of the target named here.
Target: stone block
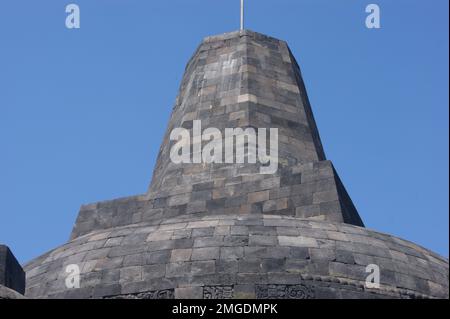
(153, 271)
(160, 235)
(157, 257)
(222, 231)
(307, 211)
(291, 179)
(180, 269)
(298, 241)
(258, 197)
(196, 207)
(231, 252)
(299, 253)
(244, 292)
(203, 232)
(215, 241)
(179, 199)
(208, 253)
(179, 255)
(247, 265)
(201, 196)
(227, 266)
(189, 293)
(131, 274)
(273, 265)
(258, 240)
(199, 268)
(101, 291)
(345, 257)
(239, 230)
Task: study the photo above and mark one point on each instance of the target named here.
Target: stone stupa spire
(230, 229)
(238, 80)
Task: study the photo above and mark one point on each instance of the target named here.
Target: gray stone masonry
(11, 273)
(222, 231)
(239, 256)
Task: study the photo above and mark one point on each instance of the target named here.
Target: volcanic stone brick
(215, 241)
(258, 240)
(196, 207)
(258, 197)
(299, 253)
(291, 179)
(239, 230)
(182, 234)
(96, 254)
(298, 241)
(130, 274)
(273, 205)
(160, 236)
(189, 293)
(322, 254)
(235, 240)
(203, 232)
(157, 257)
(116, 241)
(262, 230)
(109, 263)
(205, 253)
(345, 257)
(203, 267)
(179, 269)
(179, 255)
(203, 186)
(201, 196)
(179, 200)
(153, 271)
(349, 271)
(231, 252)
(228, 266)
(273, 264)
(250, 265)
(222, 231)
(110, 276)
(307, 211)
(107, 290)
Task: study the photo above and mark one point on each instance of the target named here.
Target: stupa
(226, 230)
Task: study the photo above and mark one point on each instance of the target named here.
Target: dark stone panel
(224, 230)
(11, 273)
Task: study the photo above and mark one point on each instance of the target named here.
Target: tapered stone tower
(225, 230)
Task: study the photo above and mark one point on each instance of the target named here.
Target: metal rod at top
(242, 15)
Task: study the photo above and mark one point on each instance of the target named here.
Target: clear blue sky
(83, 112)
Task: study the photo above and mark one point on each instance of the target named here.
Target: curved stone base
(234, 256)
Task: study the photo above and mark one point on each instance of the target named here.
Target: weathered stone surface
(189, 293)
(226, 231)
(11, 273)
(247, 80)
(7, 293)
